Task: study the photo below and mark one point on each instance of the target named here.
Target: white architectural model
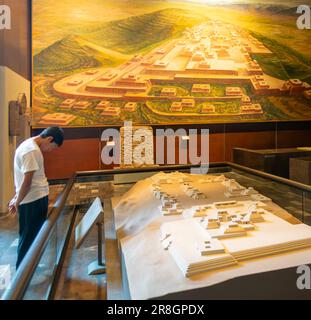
(211, 246)
(176, 177)
(201, 211)
(236, 190)
(198, 253)
(213, 179)
(171, 207)
(211, 223)
(193, 192)
(205, 233)
(225, 204)
(220, 233)
(260, 197)
(199, 245)
(169, 204)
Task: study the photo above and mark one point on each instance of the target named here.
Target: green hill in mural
(122, 37)
(269, 8)
(284, 62)
(74, 53)
(139, 32)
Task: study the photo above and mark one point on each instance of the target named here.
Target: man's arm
(25, 187)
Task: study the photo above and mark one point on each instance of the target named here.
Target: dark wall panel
(251, 140)
(79, 153)
(1, 45)
(16, 43)
(74, 155)
(294, 138)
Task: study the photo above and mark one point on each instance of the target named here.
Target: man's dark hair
(56, 133)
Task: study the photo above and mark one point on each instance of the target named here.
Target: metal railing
(290, 183)
(31, 260)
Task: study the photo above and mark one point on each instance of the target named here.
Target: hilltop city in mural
(98, 62)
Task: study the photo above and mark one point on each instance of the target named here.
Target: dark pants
(31, 218)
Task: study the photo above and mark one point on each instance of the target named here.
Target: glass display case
(264, 278)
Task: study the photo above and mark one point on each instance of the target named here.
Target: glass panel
(75, 282)
(287, 197)
(42, 279)
(55, 191)
(9, 238)
(64, 220)
(307, 208)
(75, 271)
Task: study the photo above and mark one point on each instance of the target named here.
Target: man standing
(31, 185)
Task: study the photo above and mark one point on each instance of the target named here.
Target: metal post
(98, 266)
(100, 243)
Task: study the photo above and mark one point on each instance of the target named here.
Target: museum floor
(8, 242)
(74, 284)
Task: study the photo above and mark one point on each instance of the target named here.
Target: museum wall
(11, 85)
(82, 148)
(17, 41)
(14, 79)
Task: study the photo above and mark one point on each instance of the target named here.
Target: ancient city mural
(100, 62)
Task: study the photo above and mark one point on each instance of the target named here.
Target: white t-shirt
(28, 157)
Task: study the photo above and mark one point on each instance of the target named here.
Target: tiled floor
(9, 235)
(8, 243)
(75, 283)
